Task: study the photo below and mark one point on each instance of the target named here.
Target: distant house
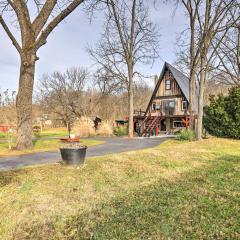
(4, 128)
(167, 110)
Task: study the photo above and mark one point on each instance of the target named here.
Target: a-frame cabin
(167, 110)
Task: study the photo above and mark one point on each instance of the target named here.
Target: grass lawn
(54, 132)
(179, 190)
(2, 135)
(41, 146)
(51, 132)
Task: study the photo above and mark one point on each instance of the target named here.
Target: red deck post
(187, 121)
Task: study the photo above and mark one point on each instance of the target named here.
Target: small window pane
(171, 104)
(154, 106)
(179, 124)
(168, 84)
(184, 105)
(158, 106)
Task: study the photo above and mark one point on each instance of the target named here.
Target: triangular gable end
(180, 78)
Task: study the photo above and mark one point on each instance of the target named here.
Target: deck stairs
(149, 123)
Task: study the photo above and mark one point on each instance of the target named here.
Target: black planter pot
(73, 156)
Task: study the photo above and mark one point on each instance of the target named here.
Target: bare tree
(192, 8)
(60, 99)
(227, 59)
(129, 39)
(64, 95)
(34, 34)
(108, 83)
(209, 22)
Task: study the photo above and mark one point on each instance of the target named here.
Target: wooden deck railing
(139, 113)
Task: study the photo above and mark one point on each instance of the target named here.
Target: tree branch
(10, 35)
(21, 10)
(43, 16)
(43, 36)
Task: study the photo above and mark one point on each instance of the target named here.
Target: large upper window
(169, 107)
(168, 84)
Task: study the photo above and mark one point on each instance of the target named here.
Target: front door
(163, 125)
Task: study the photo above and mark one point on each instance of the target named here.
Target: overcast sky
(66, 46)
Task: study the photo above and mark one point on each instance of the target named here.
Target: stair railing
(144, 130)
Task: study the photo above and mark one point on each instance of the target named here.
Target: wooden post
(187, 121)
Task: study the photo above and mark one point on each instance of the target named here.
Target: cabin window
(168, 84)
(169, 107)
(158, 106)
(178, 124)
(184, 105)
(153, 106)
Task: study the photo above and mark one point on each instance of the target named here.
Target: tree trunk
(200, 103)
(24, 100)
(238, 55)
(130, 102)
(192, 96)
(192, 82)
(203, 67)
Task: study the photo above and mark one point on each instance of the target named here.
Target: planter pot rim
(76, 148)
(73, 148)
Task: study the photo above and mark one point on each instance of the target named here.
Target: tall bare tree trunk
(192, 83)
(192, 95)
(130, 101)
(200, 99)
(203, 67)
(238, 53)
(130, 69)
(24, 100)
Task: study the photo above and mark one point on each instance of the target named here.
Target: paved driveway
(110, 145)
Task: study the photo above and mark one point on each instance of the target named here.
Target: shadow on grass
(8, 177)
(203, 205)
(231, 158)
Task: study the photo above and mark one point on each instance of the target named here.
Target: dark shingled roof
(181, 79)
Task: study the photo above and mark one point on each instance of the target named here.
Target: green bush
(222, 116)
(121, 131)
(186, 135)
